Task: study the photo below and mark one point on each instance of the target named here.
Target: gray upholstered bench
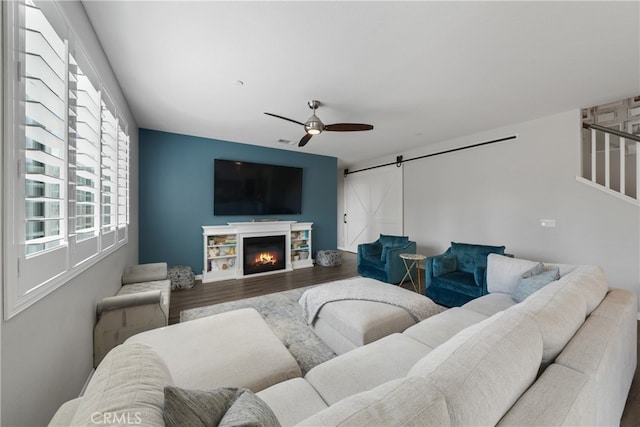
(232, 349)
(141, 304)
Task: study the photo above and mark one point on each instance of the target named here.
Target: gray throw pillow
(532, 283)
(220, 406)
(249, 411)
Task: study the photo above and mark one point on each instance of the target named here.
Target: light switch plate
(549, 223)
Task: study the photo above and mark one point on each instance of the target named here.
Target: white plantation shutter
(68, 158)
(109, 176)
(44, 141)
(87, 158)
(84, 165)
(123, 183)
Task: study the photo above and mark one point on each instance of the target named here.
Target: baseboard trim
(198, 277)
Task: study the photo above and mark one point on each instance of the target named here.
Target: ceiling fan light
(313, 126)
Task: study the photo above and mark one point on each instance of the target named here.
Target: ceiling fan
(313, 125)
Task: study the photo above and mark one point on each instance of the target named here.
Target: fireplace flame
(265, 258)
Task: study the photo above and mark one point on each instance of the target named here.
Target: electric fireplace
(263, 254)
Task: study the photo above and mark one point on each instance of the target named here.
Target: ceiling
(421, 72)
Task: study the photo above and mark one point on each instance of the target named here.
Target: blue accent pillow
(444, 264)
(532, 283)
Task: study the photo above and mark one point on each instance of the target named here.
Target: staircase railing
(618, 176)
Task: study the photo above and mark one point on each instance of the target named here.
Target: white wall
(47, 350)
(497, 195)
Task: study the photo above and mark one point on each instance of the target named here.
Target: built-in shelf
(223, 246)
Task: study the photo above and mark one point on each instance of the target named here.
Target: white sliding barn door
(373, 205)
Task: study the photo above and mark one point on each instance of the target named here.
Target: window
(68, 165)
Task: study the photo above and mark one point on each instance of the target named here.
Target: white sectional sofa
(566, 355)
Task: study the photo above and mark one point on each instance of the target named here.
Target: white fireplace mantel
(220, 262)
(262, 226)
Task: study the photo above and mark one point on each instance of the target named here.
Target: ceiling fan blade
(285, 118)
(305, 139)
(347, 127)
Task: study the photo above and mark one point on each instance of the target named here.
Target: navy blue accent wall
(176, 193)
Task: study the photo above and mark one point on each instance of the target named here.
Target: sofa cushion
(458, 281)
(402, 402)
(530, 283)
(128, 384)
(439, 328)
(232, 349)
(591, 282)
(292, 401)
(371, 262)
(490, 304)
(366, 367)
(483, 369)
(558, 311)
(472, 256)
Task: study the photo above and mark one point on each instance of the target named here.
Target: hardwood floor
(231, 290)
(203, 294)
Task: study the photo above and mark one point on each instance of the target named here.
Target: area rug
(284, 315)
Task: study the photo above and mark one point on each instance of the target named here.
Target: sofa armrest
(65, 413)
(480, 276)
(443, 264)
(393, 263)
(123, 316)
(371, 249)
(428, 267)
(120, 302)
(145, 273)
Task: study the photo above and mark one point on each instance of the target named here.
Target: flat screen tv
(244, 188)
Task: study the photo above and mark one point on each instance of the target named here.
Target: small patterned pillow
(181, 277)
(328, 258)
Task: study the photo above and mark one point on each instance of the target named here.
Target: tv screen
(244, 188)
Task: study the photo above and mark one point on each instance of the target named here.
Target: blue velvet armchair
(381, 260)
(458, 275)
